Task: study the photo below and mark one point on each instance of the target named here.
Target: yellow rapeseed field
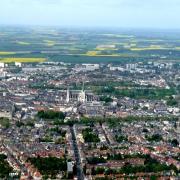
(23, 43)
(22, 60)
(6, 53)
(92, 53)
(151, 47)
(49, 43)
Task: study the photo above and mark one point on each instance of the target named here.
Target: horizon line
(90, 27)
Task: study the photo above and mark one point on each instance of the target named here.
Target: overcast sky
(92, 13)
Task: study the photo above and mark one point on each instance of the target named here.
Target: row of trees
(137, 93)
(150, 166)
(114, 122)
(51, 114)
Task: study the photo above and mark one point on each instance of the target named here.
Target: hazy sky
(102, 13)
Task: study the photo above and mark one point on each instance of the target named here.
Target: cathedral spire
(83, 86)
(82, 95)
(67, 95)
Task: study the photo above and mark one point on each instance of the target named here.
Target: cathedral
(80, 96)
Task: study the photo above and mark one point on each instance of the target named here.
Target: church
(81, 96)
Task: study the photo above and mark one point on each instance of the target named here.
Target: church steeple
(82, 95)
(67, 95)
(83, 86)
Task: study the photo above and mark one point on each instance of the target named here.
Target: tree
(49, 166)
(19, 124)
(90, 136)
(121, 138)
(106, 99)
(4, 122)
(175, 142)
(5, 169)
(51, 114)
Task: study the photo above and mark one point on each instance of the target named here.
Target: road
(80, 173)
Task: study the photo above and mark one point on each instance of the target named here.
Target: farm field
(7, 53)
(31, 44)
(22, 60)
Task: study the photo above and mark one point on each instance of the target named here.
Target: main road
(80, 173)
